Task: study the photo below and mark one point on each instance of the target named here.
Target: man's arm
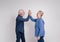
(22, 19)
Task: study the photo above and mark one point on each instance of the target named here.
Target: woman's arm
(29, 13)
(34, 20)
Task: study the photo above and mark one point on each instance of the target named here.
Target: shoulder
(41, 21)
(18, 17)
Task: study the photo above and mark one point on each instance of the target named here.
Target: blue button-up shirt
(39, 26)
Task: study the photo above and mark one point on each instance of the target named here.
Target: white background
(8, 13)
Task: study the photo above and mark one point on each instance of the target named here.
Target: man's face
(21, 12)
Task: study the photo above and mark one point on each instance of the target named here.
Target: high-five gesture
(29, 12)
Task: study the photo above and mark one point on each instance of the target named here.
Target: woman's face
(39, 15)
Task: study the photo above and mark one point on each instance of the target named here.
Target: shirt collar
(20, 15)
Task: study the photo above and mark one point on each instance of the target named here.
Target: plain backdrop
(9, 11)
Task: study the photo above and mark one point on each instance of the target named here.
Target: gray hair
(20, 10)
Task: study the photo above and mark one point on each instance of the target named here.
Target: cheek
(40, 15)
(23, 14)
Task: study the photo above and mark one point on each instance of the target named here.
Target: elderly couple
(39, 25)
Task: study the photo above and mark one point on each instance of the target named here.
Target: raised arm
(22, 19)
(29, 13)
(34, 20)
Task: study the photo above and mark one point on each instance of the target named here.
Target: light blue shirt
(39, 26)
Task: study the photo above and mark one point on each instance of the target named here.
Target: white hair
(20, 10)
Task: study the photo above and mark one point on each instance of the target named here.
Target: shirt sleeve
(22, 19)
(34, 20)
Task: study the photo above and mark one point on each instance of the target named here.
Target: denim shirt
(39, 26)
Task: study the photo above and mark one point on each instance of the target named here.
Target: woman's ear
(41, 14)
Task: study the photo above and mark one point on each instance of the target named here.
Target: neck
(20, 15)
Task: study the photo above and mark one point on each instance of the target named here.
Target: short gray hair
(20, 10)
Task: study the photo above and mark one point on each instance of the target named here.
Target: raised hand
(29, 12)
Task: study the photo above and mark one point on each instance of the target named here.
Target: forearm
(22, 19)
(34, 20)
(26, 19)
